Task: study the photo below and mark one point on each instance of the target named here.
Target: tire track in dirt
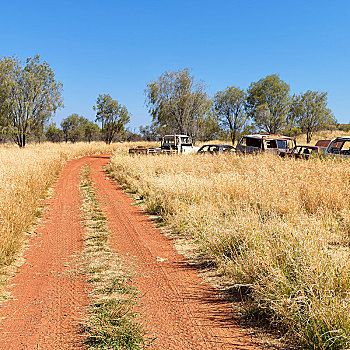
(47, 304)
(179, 309)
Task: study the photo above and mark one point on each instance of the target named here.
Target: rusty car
(216, 149)
(278, 144)
(339, 147)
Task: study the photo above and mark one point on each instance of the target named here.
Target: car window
(271, 143)
(282, 144)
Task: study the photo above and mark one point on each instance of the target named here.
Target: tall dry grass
(25, 177)
(321, 135)
(279, 225)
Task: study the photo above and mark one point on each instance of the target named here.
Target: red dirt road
(47, 303)
(179, 310)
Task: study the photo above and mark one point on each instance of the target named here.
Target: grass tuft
(111, 322)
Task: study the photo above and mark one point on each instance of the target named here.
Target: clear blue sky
(117, 47)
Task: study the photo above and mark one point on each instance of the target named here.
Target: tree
(148, 132)
(32, 96)
(54, 134)
(5, 67)
(268, 103)
(209, 128)
(229, 108)
(112, 115)
(310, 112)
(74, 128)
(92, 131)
(177, 102)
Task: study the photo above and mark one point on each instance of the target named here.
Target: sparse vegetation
(278, 225)
(25, 177)
(111, 322)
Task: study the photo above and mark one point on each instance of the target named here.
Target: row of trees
(30, 95)
(74, 128)
(179, 104)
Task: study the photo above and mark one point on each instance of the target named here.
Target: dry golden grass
(25, 177)
(321, 135)
(279, 225)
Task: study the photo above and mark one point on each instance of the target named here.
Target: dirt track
(179, 310)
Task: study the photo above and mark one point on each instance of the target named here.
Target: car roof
(269, 137)
(342, 138)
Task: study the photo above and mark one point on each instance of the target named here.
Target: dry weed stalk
(280, 225)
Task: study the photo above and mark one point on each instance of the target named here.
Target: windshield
(250, 142)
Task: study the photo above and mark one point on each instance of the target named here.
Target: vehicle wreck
(170, 144)
(339, 147)
(277, 144)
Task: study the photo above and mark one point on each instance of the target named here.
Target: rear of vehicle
(339, 147)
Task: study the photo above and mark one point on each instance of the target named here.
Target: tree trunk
(308, 136)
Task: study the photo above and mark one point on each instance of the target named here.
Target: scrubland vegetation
(25, 177)
(281, 226)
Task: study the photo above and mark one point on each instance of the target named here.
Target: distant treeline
(30, 96)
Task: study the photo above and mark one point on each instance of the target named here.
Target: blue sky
(117, 47)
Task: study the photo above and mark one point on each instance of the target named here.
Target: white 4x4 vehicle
(180, 144)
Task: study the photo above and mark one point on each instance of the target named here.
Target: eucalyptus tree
(229, 108)
(311, 113)
(92, 131)
(53, 133)
(32, 96)
(177, 103)
(268, 103)
(74, 128)
(112, 116)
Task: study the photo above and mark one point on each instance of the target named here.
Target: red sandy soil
(46, 302)
(179, 310)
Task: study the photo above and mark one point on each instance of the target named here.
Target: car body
(339, 147)
(305, 152)
(216, 149)
(170, 144)
(257, 143)
(180, 144)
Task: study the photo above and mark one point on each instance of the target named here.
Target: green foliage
(92, 131)
(29, 94)
(54, 134)
(74, 128)
(268, 103)
(344, 127)
(229, 109)
(209, 128)
(310, 113)
(112, 115)
(177, 103)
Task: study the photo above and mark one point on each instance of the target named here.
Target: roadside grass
(279, 226)
(111, 322)
(26, 175)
